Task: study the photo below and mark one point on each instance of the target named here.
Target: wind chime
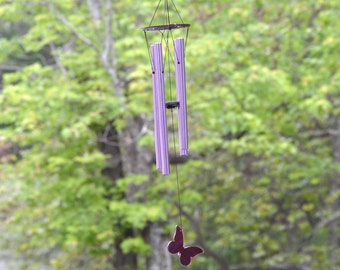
(168, 53)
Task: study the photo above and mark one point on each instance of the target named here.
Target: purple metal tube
(181, 95)
(161, 122)
(155, 87)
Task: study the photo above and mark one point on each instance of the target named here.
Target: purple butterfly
(177, 247)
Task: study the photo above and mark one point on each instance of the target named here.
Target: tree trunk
(122, 261)
(135, 159)
(94, 7)
(333, 240)
(160, 258)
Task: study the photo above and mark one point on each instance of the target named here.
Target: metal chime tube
(181, 95)
(161, 126)
(155, 87)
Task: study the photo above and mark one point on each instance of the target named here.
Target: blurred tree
(268, 111)
(57, 124)
(261, 187)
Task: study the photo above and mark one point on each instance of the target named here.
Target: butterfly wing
(176, 245)
(188, 253)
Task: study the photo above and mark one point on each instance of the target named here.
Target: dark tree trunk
(128, 157)
(333, 239)
(109, 145)
(122, 261)
(160, 258)
(137, 160)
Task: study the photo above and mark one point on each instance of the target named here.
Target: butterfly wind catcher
(167, 57)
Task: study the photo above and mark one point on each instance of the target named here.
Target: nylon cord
(168, 58)
(148, 48)
(179, 15)
(154, 14)
(174, 140)
(176, 170)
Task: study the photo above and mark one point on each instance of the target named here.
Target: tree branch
(314, 15)
(9, 67)
(56, 59)
(270, 267)
(70, 26)
(109, 57)
(94, 7)
(221, 261)
(326, 222)
(334, 132)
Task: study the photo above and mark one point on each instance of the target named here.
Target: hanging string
(186, 38)
(154, 14)
(176, 171)
(167, 12)
(148, 46)
(168, 57)
(179, 15)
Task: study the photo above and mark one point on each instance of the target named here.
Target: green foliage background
(263, 92)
